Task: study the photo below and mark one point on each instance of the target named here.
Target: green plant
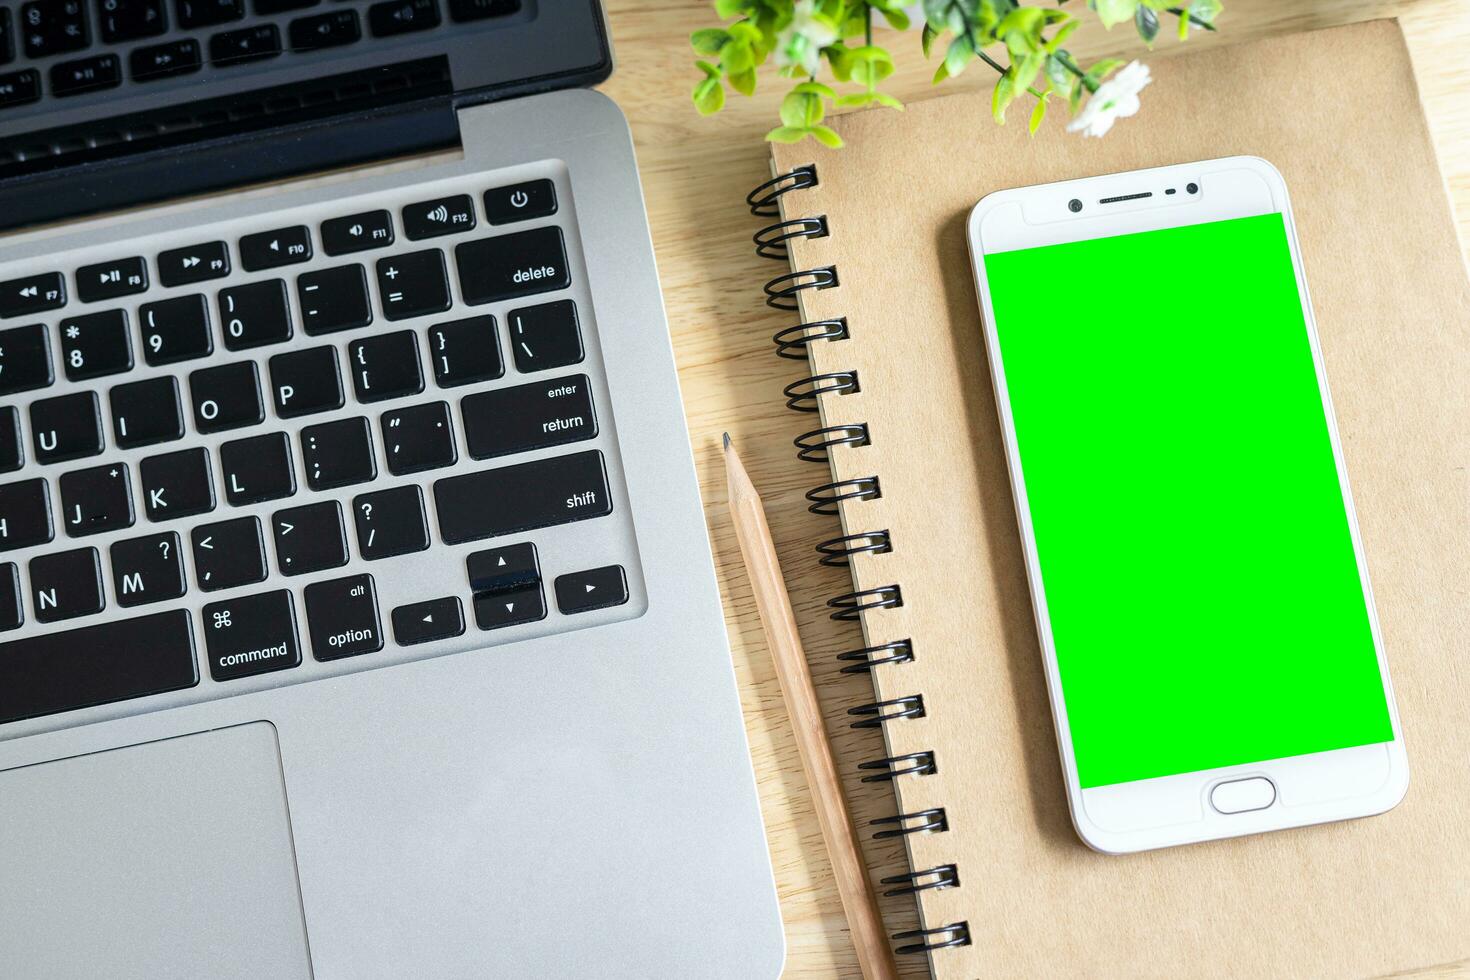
(804, 35)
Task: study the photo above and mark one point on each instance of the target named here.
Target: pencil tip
(727, 440)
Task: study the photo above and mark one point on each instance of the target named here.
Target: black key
(229, 554)
(176, 329)
(177, 485)
(281, 6)
(65, 585)
(12, 611)
(31, 294)
(518, 202)
(504, 569)
(508, 266)
(385, 366)
(334, 299)
(306, 381)
(343, 618)
(129, 20)
(25, 514)
(596, 588)
(249, 635)
(208, 13)
(96, 344)
(238, 47)
(255, 314)
(465, 351)
(357, 232)
(196, 263)
(63, 671)
(413, 284)
(109, 280)
(390, 522)
(165, 60)
(545, 336)
(518, 498)
(464, 10)
(338, 454)
(423, 622)
(7, 37)
(402, 16)
(145, 413)
(310, 539)
(53, 27)
(12, 451)
(441, 216)
(269, 249)
(66, 427)
(226, 397)
(497, 610)
(96, 499)
(25, 359)
(531, 416)
(325, 30)
(418, 438)
(86, 74)
(256, 469)
(18, 88)
(148, 569)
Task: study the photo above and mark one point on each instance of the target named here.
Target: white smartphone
(1201, 595)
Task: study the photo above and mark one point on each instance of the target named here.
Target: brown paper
(1338, 113)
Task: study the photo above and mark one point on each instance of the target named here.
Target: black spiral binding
(805, 395)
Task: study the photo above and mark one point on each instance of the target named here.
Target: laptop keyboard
(346, 436)
(66, 48)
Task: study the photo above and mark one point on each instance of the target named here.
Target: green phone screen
(1194, 546)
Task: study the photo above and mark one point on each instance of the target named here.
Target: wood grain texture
(695, 174)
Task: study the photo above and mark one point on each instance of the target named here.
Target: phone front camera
(1074, 205)
(1192, 187)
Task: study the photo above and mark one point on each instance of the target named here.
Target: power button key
(520, 202)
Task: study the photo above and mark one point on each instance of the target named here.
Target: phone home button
(1243, 795)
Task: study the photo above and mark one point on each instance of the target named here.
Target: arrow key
(497, 610)
(596, 588)
(423, 622)
(504, 569)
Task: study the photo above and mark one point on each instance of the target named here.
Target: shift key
(526, 417)
(518, 498)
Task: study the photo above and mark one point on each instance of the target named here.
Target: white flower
(802, 41)
(1115, 98)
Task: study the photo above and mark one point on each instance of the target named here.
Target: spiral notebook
(903, 414)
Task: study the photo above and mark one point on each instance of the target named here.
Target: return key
(526, 417)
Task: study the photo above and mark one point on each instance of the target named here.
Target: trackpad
(168, 859)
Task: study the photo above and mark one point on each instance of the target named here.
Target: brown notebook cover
(1338, 113)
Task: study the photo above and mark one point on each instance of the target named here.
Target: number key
(25, 359)
(176, 329)
(53, 26)
(128, 20)
(95, 345)
(254, 314)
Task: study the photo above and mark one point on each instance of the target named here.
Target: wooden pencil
(859, 902)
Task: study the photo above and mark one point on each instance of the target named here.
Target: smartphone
(1212, 653)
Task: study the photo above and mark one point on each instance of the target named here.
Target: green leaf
(787, 134)
(855, 100)
(960, 52)
(1205, 10)
(839, 57)
(1074, 98)
(729, 8)
(940, 73)
(744, 82)
(819, 90)
(1102, 70)
(1183, 28)
(1062, 34)
(709, 96)
(708, 42)
(1112, 12)
(1037, 115)
(1026, 70)
(870, 65)
(1005, 92)
(1058, 74)
(897, 18)
(827, 137)
(1147, 23)
(926, 39)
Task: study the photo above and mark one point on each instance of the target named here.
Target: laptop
(357, 613)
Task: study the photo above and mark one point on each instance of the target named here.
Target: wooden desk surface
(696, 172)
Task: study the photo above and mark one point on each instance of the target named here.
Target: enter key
(525, 417)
